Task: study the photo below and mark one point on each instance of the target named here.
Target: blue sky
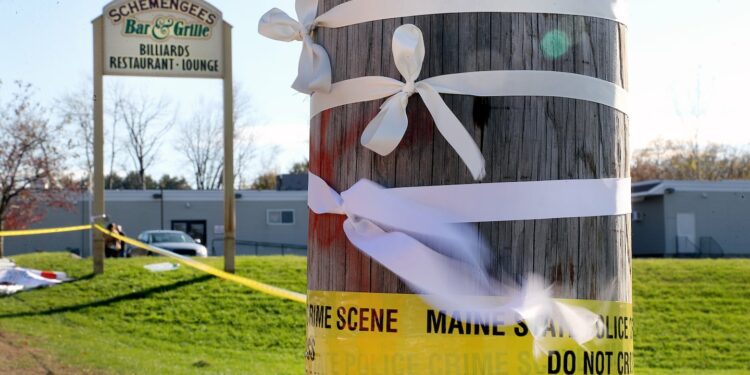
(688, 68)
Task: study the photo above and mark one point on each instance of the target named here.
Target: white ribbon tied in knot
(386, 226)
(437, 257)
(314, 71)
(386, 130)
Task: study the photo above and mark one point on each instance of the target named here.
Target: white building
(265, 219)
(691, 218)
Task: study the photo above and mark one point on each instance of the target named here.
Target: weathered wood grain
(522, 139)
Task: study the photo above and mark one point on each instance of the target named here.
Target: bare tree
(76, 109)
(30, 162)
(146, 121)
(266, 179)
(202, 144)
(687, 160)
(114, 109)
(244, 154)
(244, 139)
(268, 159)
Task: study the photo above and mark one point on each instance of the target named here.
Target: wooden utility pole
(97, 249)
(522, 139)
(230, 217)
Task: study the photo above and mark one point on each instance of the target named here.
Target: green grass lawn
(692, 314)
(692, 317)
(134, 321)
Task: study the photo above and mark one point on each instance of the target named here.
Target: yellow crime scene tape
(374, 333)
(252, 284)
(32, 232)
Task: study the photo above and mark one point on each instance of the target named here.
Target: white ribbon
(504, 83)
(359, 11)
(478, 203)
(314, 71)
(385, 131)
(446, 261)
(533, 200)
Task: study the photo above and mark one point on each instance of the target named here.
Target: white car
(172, 240)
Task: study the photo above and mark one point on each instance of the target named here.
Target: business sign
(172, 38)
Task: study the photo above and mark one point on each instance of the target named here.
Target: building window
(194, 228)
(280, 217)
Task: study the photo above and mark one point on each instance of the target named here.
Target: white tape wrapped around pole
(530, 200)
(504, 83)
(314, 70)
(474, 203)
(385, 131)
(533, 83)
(358, 11)
(445, 263)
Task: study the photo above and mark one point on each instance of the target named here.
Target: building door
(194, 228)
(686, 243)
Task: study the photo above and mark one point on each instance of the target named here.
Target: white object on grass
(162, 267)
(16, 279)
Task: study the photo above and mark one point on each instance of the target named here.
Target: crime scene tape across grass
(252, 284)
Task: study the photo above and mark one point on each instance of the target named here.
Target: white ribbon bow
(446, 264)
(314, 70)
(385, 131)
(396, 221)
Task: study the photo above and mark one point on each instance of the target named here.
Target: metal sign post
(187, 39)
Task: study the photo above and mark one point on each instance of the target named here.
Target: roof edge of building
(202, 195)
(661, 187)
